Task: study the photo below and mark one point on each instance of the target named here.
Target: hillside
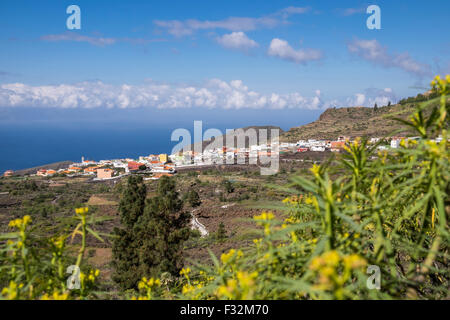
(53, 166)
(206, 144)
(354, 122)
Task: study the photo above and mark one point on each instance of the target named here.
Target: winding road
(197, 225)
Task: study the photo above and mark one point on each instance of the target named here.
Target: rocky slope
(353, 122)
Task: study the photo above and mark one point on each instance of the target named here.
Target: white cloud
(214, 93)
(371, 50)
(359, 99)
(371, 96)
(237, 41)
(96, 41)
(286, 12)
(181, 28)
(281, 49)
(351, 11)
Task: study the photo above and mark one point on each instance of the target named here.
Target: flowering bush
(32, 274)
(385, 209)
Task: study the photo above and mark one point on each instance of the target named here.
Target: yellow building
(163, 157)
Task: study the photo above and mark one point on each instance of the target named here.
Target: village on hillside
(166, 165)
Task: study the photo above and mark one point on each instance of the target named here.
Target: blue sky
(240, 56)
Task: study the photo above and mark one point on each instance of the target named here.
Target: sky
(230, 62)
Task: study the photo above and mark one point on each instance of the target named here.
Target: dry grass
(97, 200)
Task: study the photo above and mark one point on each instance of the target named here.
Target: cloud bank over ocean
(213, 94)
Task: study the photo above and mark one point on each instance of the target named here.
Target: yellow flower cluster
(383, 156)
(441, 84)
(81, 211)
(147, 287)
(257, 242)
(293, 201)
(14, 246)
(353, 145)
(231, 257)
(20, 224)
(265, 216)
(58, 245)
(185, 272)
(264, 220)
(193, 289)
(89, 279)
(190, 290)
(436, 149)
(242, 287)
(58, 242)
(334, 270)
(139, 298)
(315, 170)
(56, 296)
(148, 283)
(408, 143)
(291, 220)
(312, 200)
(12, 292)
(205, 276)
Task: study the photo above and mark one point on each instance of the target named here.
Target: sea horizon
(35, 142)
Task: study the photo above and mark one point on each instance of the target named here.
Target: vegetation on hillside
(362, 121)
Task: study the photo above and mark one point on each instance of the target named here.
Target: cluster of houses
(158, 165)
(222, 155)
(321, 145)
(231, 155)
(163, 164)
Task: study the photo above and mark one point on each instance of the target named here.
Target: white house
(318, 148)
(395, 143)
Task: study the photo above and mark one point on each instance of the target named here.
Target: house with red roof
(134, 166)
(337, 146)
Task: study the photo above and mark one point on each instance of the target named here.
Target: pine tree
(375, 107)
(164, 228)
(154, 231)
(124, 250)
(193, 198)
(221, 232)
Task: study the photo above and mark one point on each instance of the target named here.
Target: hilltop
(358, 121)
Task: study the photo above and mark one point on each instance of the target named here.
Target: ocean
(23, 148)
(30, 137)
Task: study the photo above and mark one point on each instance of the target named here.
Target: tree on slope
(164, 228)
(193, 198)
(125, 245)
(154, 231)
